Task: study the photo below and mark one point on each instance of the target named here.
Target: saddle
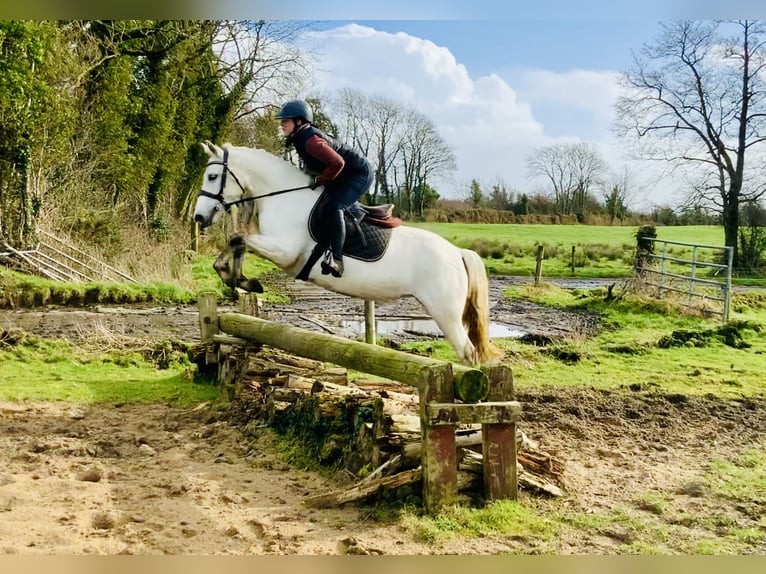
(368, 231)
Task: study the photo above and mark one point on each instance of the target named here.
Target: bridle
(226, 205)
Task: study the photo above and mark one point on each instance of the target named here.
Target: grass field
(577, 250)
(567, 235)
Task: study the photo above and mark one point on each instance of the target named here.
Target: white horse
(451, 283)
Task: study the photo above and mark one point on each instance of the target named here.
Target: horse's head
(220, 187)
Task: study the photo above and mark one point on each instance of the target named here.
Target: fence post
(499, 440)
(369, 322)
(195, 236)
(208, 324)
(727, 295)
(247, 304)
(439, 451)
(539, 265)
(662, 269)
(573, 259)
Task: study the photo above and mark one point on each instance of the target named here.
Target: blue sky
(490, 45)
(497, 89)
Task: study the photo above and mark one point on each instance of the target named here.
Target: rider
(345, 173)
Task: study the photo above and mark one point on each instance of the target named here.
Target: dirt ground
(125, 479)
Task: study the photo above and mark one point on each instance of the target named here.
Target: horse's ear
(211, 149)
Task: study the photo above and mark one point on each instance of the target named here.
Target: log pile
(370, 428)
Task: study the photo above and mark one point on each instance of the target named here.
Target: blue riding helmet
(296, 109)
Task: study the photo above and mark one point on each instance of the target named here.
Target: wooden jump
(482, 394)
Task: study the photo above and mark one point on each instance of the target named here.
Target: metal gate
(669, 273)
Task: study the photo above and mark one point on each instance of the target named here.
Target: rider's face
(288, 126)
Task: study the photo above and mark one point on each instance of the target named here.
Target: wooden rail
(439, 384)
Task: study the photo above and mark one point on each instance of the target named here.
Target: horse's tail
(476, 310)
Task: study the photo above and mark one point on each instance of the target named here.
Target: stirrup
(332, 266)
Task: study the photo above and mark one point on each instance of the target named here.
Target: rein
(227, 170)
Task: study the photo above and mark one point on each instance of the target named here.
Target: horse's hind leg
(449, 318)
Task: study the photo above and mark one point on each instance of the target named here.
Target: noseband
(222, 203)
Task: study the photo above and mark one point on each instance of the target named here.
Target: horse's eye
(212, 176)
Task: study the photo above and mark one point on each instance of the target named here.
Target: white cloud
(492, 122)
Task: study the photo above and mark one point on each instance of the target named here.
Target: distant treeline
(456, 211)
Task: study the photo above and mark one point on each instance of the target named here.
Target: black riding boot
(333, 263)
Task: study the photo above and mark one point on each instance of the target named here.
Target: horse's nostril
(199, 218)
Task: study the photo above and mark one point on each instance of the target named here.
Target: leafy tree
(499, 197)
(24, 99)
(475, 194)
(617, 198)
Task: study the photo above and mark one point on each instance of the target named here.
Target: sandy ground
(126, 479)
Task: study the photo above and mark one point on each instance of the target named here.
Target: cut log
(470, 385)
(404, 424)
(324, 386)
(388, 386)
(299, 382)
(542, 463)
(283, 395)
(275, 412)
(474, 462)
(361, 492)
(391, 466)
(410, 454)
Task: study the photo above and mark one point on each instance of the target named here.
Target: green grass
(656, 523)
(741, 480)
(504, 518)
(568, 235)
(632, 330)
(600, 250)
(22, 290)
(43, 370)
(626, 353)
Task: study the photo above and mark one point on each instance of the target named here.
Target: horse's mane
(269, 166)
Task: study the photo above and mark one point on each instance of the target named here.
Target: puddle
(424, 327)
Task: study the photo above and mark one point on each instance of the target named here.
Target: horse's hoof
(237, 241)
(251, 285)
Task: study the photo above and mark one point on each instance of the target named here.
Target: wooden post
(195, 236)
(247, 304)
(573, 259)
(499, 441)
(539, 265)
(208, 324)
(369, 322)
(439, 451)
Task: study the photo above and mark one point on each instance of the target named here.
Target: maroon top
(321, 150)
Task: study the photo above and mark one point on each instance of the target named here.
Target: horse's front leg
(228, 265)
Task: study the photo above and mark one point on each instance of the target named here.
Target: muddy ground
(127, 479)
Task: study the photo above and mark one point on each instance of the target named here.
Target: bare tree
(259, 63)
(571, 169)
(696, 100)
(375, 125)
(424, 154)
